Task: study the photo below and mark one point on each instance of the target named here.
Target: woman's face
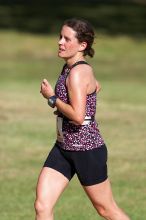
(69, 45)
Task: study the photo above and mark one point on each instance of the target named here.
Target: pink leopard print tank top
(77, 137)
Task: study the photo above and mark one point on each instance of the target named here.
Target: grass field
(27, 125)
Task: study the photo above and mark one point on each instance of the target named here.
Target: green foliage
(27, 124)
(112, 17)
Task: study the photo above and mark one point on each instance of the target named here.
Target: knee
(110, 212)
(42, 207)
(106, 210)
(102, 211)
(38, 206)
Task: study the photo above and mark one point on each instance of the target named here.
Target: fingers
(45, 82)
(46, 89)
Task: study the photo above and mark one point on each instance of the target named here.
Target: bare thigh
(50, 186)
(100, 194)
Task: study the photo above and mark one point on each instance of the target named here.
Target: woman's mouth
(61, 50)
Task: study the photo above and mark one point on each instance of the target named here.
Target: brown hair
(84, 32)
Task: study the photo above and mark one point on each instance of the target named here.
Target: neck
(73, 60)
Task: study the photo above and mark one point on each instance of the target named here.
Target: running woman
(79, 147)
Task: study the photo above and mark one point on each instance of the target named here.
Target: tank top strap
(79, 62)
(68, 69)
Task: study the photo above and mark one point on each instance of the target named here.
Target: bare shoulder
(82, 76)
(83, 71)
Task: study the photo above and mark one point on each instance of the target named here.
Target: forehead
(68, 31)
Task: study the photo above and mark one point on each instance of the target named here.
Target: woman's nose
(60, 41)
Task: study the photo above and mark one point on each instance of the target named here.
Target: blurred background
(29, 33)
(110, 17)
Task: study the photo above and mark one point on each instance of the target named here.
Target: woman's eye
(67, 39)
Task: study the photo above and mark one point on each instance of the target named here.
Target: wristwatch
(52, 101)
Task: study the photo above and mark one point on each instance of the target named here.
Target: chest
(61, 89)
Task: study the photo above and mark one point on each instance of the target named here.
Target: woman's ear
(83, 46)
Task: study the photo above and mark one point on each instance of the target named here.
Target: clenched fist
(46, 89)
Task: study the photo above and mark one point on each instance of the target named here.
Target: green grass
(27, 125)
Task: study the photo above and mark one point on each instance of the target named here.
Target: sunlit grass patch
(27, 124)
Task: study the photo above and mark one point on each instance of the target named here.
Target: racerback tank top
(77, 137)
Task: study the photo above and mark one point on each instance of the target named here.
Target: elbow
(79, 120)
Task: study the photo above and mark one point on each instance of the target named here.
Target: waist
(86, 121)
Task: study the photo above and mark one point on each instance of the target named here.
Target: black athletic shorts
(90, 166)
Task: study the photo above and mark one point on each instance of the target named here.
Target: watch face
(52, 101)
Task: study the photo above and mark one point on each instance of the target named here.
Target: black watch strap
(52, 101)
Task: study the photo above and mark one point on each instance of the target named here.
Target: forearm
(69, 111)
(75, 111)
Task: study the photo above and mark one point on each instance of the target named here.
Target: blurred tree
(108, 16)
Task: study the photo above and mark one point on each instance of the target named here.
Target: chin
(61, 56)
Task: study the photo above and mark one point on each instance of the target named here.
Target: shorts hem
(58, 170)
(95, 182)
